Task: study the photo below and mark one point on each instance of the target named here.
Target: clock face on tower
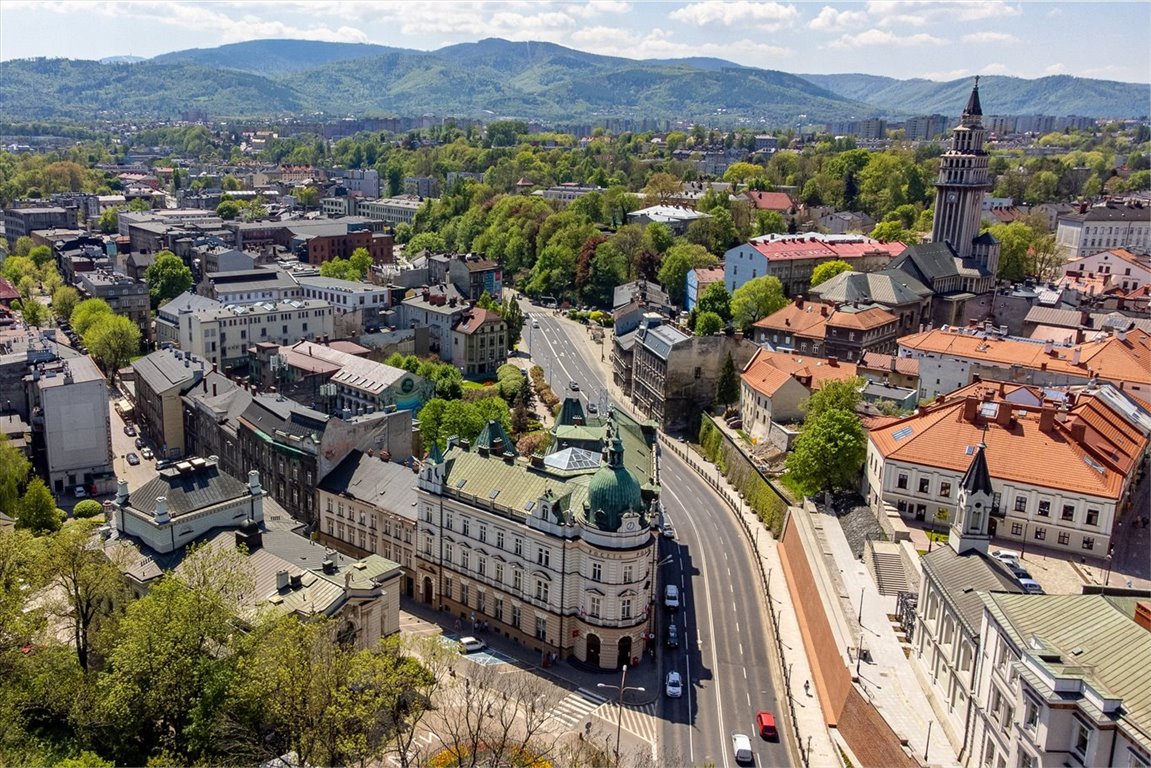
(952, 197)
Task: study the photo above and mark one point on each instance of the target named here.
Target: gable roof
(862, 319)
(807, 319)
(877, 361)
(811, 372)
(962, 577)
(927, 262)
(889, 287)
(770, 201)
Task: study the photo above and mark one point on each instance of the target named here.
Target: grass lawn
(788, 485)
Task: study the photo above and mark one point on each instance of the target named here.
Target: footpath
(809, 729)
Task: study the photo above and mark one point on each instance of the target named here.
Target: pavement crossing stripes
(575, 708)
(638, 719)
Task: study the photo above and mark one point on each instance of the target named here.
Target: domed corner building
(555, 551)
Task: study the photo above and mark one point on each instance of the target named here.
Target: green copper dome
(612, 491)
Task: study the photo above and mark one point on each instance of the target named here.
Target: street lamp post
(622, 690)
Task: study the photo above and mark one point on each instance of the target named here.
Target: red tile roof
(807, 320)
(796, 248)
(1091, 452)
(770, 201)
(877, 361)
(863, 320)
(811, 372)
(477, 319)
(7, 292)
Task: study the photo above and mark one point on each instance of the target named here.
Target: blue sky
(937, 39)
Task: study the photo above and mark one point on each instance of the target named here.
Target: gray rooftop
(889, 287)
(660, 339)
(963, 577)
(165, 369)
(189, 302)
(372, 480)
(188, 491)
(80, 369)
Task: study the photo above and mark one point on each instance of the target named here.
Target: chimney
(1046, 420)
(254, 483)
(160, 515)
(1049, 347)
(1076, 355)
(1005, 415)
(799, 301)
(121, 492)
(329, 565)
(281, 581)
(537, 461)
(1121, 334)
(833, 361)
(1078, 430)
(970, 409)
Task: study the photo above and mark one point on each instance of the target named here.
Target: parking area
(123, 444)
(485, 658)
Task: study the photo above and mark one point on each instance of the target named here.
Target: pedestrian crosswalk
(577, 707)
(581, 706)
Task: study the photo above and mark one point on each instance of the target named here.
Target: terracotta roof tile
(807, 320)
(877, 361)
(865, 320)
(812, 372)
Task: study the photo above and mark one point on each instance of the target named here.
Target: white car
(471, 645)
(79, 492)
(673, 687)
(741, 747)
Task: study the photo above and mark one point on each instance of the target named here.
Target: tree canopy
(167, 276)
(756, 299)
(827, 270)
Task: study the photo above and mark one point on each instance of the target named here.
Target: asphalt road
(725, 634)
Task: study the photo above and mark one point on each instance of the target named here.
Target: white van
(671, 597)
(741, 747)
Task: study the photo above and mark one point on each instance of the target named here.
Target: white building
(1119, 266)
(1062, 680)
(71, 407)
(344, 295)
(1062, 464)
(391, 210)
(555, 552)
(224, 335)
(1110, 225)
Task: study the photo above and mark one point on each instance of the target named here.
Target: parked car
(1018, 571)
(673, 685)
(471, 645)
(672, 638)
(139, 443)
(741, 748)
(1006, 556)
(129, 430)
(668, 531)
(592, 408)
(133, 459)
(80, 492)
(146, 452)
(765, 724)
(1031, 587)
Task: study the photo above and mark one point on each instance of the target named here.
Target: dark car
(133, 459)
(139, 443)
(130, 431)
(672, 639)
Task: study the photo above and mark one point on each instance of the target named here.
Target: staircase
(887, 568)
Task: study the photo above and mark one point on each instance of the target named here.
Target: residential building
(295, 447)
(564, 193)
(21, 222)
(473, 276)
(623, 348)
(124, 295)
(195, 503)
(480, 343)
(1073, 326)
(1061, 679)
(780, 202)
(556, 552)
(70, 423)
(1119, 266)
(421, 186)
(224, 335)
(162, 378)
(793, 258)
(1095, 437)
(674, 374)
(697, 282)
(1112, 224)
(136, 264)
(845, 222)
(775, 385)
(675, 217)
(890, 369)
(8, 293)
(168, 315)
(356, 304)
(249, 286)
(844, 332)
(649, 295)
(211, 259)
(953, 358)
(367, 505)
(391, 210)
(439, 309)
(315, 241)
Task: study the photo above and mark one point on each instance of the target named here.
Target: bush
(768, 506)
(87, 508)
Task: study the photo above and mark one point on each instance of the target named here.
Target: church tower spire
(969, 524)
(962, 181)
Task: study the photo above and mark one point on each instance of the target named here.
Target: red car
(765, 724)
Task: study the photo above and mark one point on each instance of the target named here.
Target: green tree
(717, 300)
(86, 508)
(37, 509)
(829, 452)
(90, 585)
(139, 204)
(87, 312)
(64, 301)
(14, 468)
(113, 340)
(228, 210)
(727, 387)
(661, 188)
(769, 223)
(33, 312)
(827, 270)
(893, 231)
(680, 259)
(230, 183)
(168, 276)
(1014, 241)
(23, 246)
(40, 255)
(16, 268)
(707, 323)
(841, 394)
(307, 197)
(513, 316)
(755, 299)
(426, 241)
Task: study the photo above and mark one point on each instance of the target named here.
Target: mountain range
(495, 77)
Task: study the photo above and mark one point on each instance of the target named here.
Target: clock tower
(959, 191)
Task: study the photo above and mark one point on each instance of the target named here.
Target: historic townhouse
(554, 551)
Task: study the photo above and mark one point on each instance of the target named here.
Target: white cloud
(990, 37)
(946, 76)
(597, 7)
(768, 16)
(916, 13)
(1055, 69)
(1106, 72)
(660, 44)
(872, 37)
(995, 68)
(832, 20)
